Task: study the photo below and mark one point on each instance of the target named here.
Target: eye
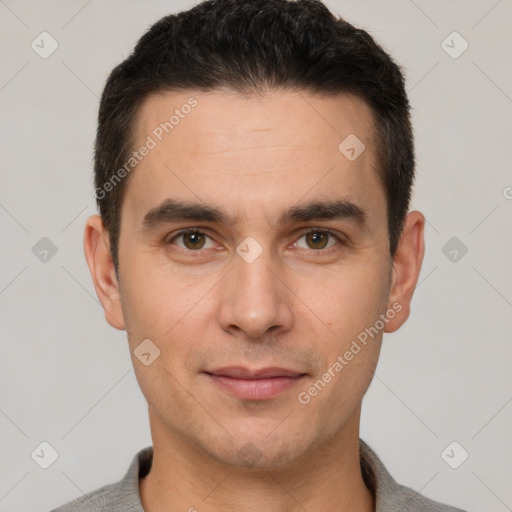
(317, 239)
(193, 240)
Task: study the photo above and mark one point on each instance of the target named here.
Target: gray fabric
(123, 496)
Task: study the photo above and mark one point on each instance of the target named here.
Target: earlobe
(406, 269)
(101, 266)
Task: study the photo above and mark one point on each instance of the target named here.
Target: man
(253, 167)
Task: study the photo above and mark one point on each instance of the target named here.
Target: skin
(296, 306)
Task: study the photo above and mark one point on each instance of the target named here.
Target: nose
(255, 298)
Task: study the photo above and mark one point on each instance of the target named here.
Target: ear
(101, 266)
(406, 269)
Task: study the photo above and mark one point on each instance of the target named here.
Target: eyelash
(304, 233)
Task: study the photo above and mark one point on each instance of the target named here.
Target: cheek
(349, 306)
(154, 301)
(174, 313)
(348, 300)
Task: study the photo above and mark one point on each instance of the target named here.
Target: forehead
(270, 149)
(223, 119)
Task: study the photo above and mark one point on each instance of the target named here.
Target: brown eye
(192, 240)
(317, 240)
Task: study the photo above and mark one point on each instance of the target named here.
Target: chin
(259, 452)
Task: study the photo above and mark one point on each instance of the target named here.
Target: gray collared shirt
(124, 496)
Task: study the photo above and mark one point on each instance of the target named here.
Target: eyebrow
(173, 210)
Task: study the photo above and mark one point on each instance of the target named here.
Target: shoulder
(122, 496)
(103, 499)
(389, 495)
(408, 500)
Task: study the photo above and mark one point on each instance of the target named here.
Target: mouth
(260, 384)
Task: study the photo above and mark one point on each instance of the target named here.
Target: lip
(240, 372)
(261, 384)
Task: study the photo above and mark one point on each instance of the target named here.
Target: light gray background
(65, 374)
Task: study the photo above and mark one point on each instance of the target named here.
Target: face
(250, 241)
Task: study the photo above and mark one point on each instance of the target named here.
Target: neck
(184, 478)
